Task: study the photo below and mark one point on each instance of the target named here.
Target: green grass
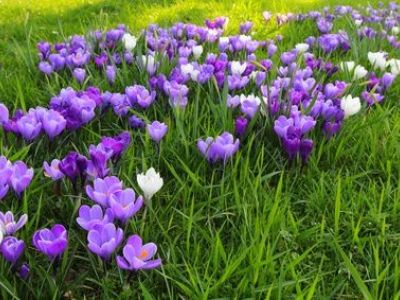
(259, 228)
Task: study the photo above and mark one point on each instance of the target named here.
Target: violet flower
(91, 216)
(51, 242)
(9, 225)
(137, 256)
(220, 148)
(11, 248)
(21, 177)
(124, 204)
(53, 170)
(104, 239)
(157, 130)
(103, 189)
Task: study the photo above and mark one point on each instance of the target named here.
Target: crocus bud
(241, 125)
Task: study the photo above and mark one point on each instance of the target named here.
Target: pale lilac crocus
(125, 204)
(91, 216)
(137, 256)
(104, 239)
(29, 126)
(53, 123)
(103, 189)
(51, 242)
(4, 114)
(157, 130)
(53, 170)
(21, 177)
(9, 225)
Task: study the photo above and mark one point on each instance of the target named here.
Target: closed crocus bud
(302, 47)
(347, 66)
(45, 67)
(129, 41)
(241, 125)
(11, 248)
(21, 177)
(150, 183)
(111, 74)
(24, 271)
(395, 30)
(197, 51)
(51, 242)
(350, 105)
(360, 72)
(79, 74)
(157, 130)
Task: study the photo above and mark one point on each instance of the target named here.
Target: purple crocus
(91, 216)
(51, 242)
(79, 74)
(97, 165)
(11, 248)
(292, 131)
(157, 130)
(111, 73)
(103, 189)
(6, 170)
(24, 271)
(104, 239)
(125, 204)
(45, 67)
(136, 122)
(8, 223)
(246, 27)
(116, 145)
(29, 126)
(53, 123)
(4, 114)
(241, 125)
(137, 256)
(53, 170)
(73, 165)
(324, 26)
(21, 177)
(220, 148)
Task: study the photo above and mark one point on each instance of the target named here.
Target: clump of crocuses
(220, 148)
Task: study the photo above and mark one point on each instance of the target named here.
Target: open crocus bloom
(91, 216)
(137, 256)
(104, 239)
(9, 225)
(51, 242)
(103, 189)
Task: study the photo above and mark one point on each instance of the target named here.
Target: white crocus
(358, 22)
(347, 65)
(197, 51)
(129, 41)
(150, 183)
(350, 105)
(189, 70)
(302, 47)
(394, 66)
(238, 68)
(395, 30)
(360, 72)
(378, 60)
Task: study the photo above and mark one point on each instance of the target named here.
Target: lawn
(259, 227)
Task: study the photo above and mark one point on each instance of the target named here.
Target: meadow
(258, 226)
